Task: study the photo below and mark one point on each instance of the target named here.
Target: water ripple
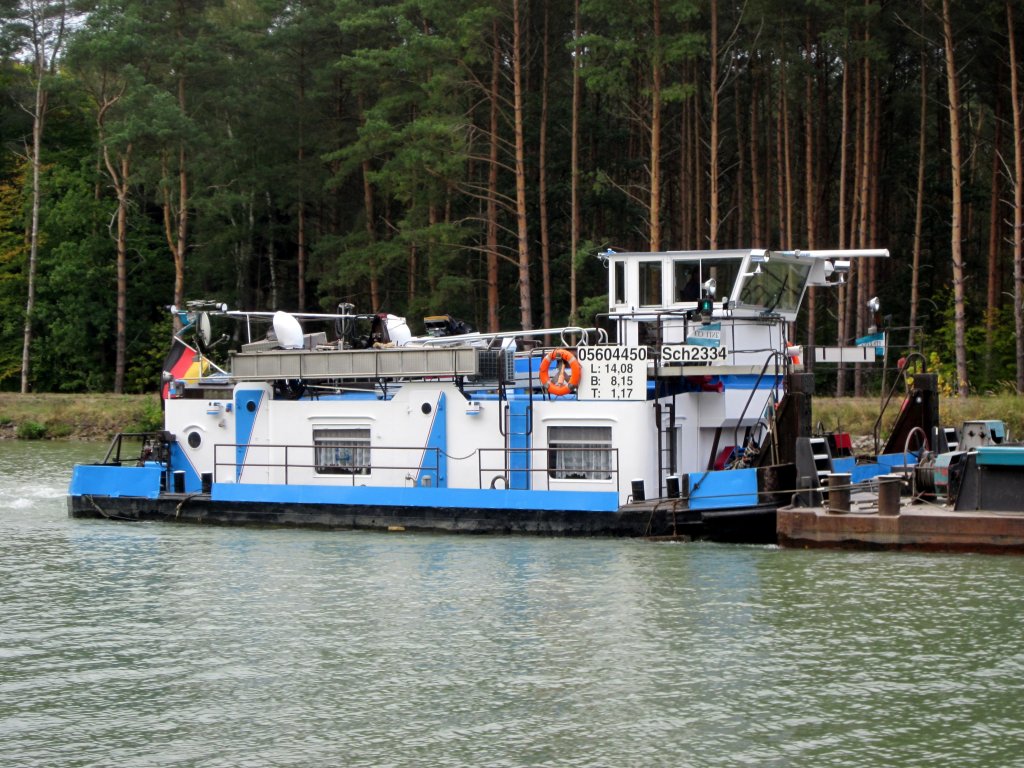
(156, 645)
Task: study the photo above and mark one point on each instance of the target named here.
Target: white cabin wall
(398, 431)
(465, 432)
(474, 441)
(212, 420)
(634, 436)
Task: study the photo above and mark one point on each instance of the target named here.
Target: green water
(161, 645)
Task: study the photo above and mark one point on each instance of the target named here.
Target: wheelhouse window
(778, 286)
(619, 287)
(690, 276)
(650, 283)
(344, 451)
(580, 453)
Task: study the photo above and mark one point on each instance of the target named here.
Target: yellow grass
(857, 415)
(83, 417)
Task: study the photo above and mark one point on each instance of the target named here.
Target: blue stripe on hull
(457, 498)
(245, 423)
(882, 465)
(109, 480)
(144, 482)
(181, 463)
(435, 458)
(519, 418)
(736, 488)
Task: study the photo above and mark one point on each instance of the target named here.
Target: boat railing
(356, 468)
(775, 362)
(147, 446)
(497, 468)
(519, 468)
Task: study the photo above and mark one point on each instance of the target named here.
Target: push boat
(681, 413)
(962, 494)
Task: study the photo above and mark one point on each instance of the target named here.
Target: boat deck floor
(917, 525)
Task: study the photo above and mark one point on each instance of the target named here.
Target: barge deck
(921, 526)
(986, 514)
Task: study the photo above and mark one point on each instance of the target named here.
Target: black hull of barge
(648, 520)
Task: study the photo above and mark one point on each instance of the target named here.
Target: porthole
(195, 439)
(426, 408)
(250, 406)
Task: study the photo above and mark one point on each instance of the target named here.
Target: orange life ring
(559, 383)
(792, 352)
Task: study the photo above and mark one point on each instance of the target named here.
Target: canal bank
(79, 416)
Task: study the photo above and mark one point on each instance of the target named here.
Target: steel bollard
(672, 486)
(889, 488)
(638, 490)
(839, 492)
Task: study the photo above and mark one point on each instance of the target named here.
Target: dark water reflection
(152, 645)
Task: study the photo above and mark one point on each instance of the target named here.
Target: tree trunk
(953, 93)
(741, 170)
(780, 172)
(844, 288)
(922, 145)
(47, 26)
(844, 142)
(787, 163)
(180, 245)
(38, 115)
(864, 206)
(300, 235)
(575, 159)
(655, 193)
(522, 240)
(121, 336)
(271, 255)
(371, 234)
(493, 300)
(176, 218)
(412, 267)
(758, 239)
(992, 298)
(301, 256)
(698, 175)
(120, 179)
(713, 170)
(542, 192)
(1018, 201)
(810, 215)
(686, 176)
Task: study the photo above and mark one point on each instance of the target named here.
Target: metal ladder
(813, 465)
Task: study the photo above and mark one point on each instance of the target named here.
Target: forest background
(473, 157)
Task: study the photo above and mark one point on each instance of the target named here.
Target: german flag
(182, 362)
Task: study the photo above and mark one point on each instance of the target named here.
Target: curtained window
(342, 451)
(580, 453)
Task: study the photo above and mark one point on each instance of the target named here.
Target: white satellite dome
(288, 331)
(398, 330)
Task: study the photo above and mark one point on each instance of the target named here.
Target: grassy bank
(100, 416)
(76, 417)
(857, 415)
